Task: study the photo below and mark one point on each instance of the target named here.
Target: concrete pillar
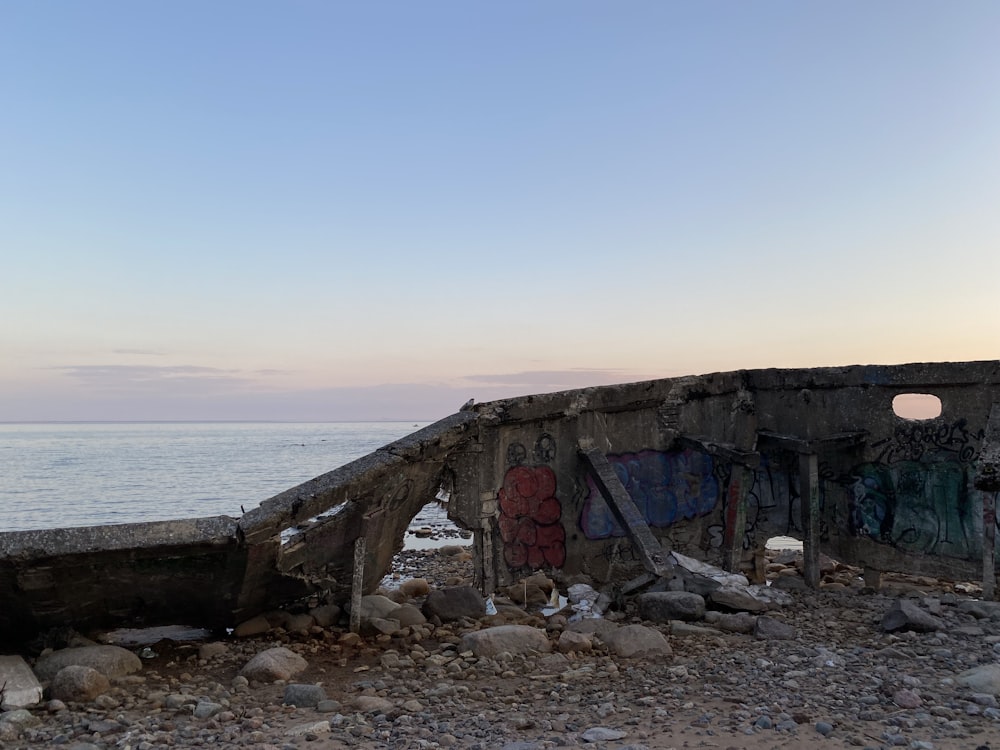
(357, 585)
(736, 517)
(809, 493)
(989, 545)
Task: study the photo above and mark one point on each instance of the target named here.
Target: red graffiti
(529, 518)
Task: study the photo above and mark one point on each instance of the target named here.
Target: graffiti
(917, 507)
(919, 441)
(545, 449)
(529, 518)
(716, 535)
(619, 551)
(516, 453)
(771, 493)
(665, 487)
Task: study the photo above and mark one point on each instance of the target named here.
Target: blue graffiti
(665, 487)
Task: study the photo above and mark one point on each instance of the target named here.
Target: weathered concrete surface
(161, 572)
(216, 572)
(717, 463)
(712, 467)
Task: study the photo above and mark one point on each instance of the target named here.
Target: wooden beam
(650, 552)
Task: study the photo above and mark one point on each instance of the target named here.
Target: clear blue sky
(333, 210)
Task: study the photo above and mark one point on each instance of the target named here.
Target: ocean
(84, 474)
(87, 474)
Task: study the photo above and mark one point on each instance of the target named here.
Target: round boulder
(376, 606)
(414, 587)
(110, 661)
(274, 664)
(453, 603)
(514, 639)
(78, 683)
(663, 606)
(634, 641)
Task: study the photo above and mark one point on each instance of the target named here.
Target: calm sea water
(54, 475)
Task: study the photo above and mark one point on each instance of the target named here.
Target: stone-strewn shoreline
(822, 669)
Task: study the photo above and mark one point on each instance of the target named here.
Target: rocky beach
(913, 665)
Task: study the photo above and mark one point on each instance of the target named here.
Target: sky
(329, 210)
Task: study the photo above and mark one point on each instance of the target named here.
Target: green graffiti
(917, 507)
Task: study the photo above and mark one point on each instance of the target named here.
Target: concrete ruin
(601, 481)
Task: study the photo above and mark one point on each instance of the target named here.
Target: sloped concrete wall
(214, 572)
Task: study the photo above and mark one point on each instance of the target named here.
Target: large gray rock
(207, 709)
(326, 615)
(254, 626)
(570, 641)
(736, 600)
(514, 639)
(277, 663)
(21, 688)
(633, 641)
(596, 625)
(737, 622)
(415, 587)
(304, 696)
(769, 629)
(981, 679)
(376, 606)
(110, 661)
(664, 606)
(379, 626)
(78, 683)
(373, 704)
(453, 603)
(905, 615)
(408, 615)
(981, 610)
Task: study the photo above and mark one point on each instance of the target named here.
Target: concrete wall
(215, 572)
(715, 465)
